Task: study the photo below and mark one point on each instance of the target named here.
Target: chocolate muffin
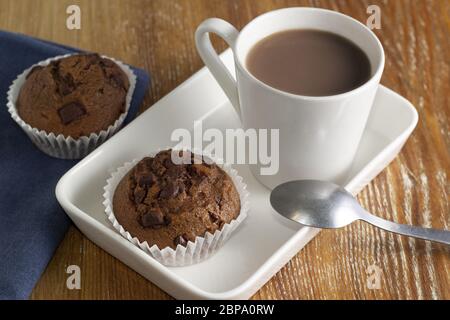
(169, 204)
(74, 96)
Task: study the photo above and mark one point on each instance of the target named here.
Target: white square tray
(265, 241)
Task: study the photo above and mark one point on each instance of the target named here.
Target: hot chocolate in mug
(318, 135)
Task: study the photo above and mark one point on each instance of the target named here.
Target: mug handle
(209, 56)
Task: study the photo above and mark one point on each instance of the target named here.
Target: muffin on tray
(175, 207)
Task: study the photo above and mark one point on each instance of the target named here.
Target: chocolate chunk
(144, 166)
(141, 209)
(184, 238)
(169, 191)
(213, 216)
(182, 187)
(139, 195)
(187, 184)
(148, 161)
(218, 198)
(158, 168)
(131, 194)
(179, 240)
(153, 218)
(131, 182)
(96, 57)
(36, 68)
(168, 163)
(117, 81)
(201, 195)
(55, 64)
(216, 219)
(71, 112)
(147, 180)
(105, 63)
(66, 85)
(131, 187)
(92, 58)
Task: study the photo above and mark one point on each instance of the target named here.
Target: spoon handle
(441, 236)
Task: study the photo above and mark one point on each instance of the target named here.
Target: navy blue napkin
(32, 223)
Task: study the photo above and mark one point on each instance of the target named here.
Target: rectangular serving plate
(265, 241)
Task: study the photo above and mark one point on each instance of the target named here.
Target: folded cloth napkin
(32, 223)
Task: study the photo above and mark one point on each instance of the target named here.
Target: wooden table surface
(157, 35)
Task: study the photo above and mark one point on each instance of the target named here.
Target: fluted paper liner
(58, 145)
(194, 252)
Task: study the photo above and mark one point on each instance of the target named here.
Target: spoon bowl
(315, 203)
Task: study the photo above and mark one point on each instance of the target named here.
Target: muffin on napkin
(69, 105)
(32, 223)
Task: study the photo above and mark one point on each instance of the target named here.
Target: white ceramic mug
(319, 136)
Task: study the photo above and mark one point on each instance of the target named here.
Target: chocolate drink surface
(309, 62)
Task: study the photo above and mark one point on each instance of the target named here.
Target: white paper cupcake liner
(194, 252)
(60, 146)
